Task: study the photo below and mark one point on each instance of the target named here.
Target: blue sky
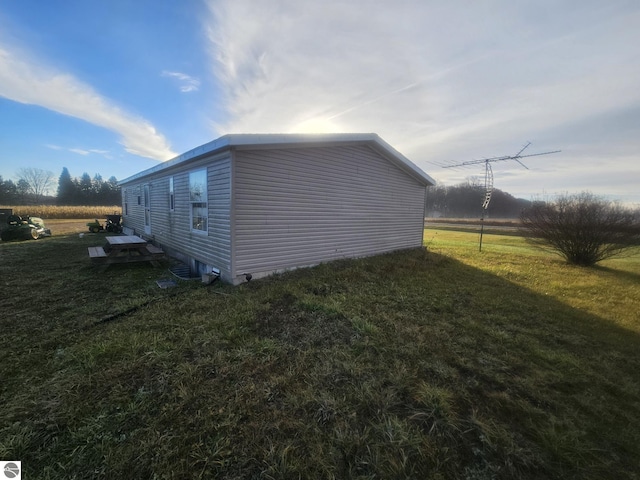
(116, 87)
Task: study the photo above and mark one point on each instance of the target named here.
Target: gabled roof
(257, 140)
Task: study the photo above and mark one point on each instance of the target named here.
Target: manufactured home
(250, 205)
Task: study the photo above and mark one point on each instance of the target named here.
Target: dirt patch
(304, 325)
(61, 226)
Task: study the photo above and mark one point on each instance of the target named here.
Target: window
(126, 202)
(198, 199)
(172, 198)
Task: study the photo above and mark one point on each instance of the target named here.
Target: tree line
(34, 186)
(465, 201)
(86, 190)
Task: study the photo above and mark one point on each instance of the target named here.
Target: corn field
(64, 212)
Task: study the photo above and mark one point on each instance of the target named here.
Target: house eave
(286, 139)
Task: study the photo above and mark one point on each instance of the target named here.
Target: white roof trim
(259, 139)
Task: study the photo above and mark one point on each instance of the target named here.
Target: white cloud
(441, 81)
(79, 151)
(187, 82)
(27, 82)
(96, 151)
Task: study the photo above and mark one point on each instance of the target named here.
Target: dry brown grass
(66, 226)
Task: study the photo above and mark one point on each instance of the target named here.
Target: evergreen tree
(8, 191)
(85, 186)
(67, 189)
(110, 192)
(86, 190)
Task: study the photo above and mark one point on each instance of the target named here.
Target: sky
(113, 88)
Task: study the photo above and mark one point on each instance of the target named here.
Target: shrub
(583, 228)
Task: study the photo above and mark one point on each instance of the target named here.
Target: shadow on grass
(629, 276)
(428, 368)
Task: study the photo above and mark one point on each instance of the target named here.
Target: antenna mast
(488, 176)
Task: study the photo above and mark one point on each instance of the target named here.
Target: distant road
(498, 226)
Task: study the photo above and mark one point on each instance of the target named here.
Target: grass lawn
(431, 363)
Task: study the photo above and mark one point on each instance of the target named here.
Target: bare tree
(583, 228)
(39, 181)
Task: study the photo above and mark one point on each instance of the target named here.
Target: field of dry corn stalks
(64, 211)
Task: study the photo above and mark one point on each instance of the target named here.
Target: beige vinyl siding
(302, 206)
(172, 229)
(135, 217)
(219, 234)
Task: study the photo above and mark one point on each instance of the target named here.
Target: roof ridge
(247, 139)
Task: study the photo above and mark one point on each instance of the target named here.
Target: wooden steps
(154, 250)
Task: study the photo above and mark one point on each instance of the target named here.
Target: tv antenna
(488, 176)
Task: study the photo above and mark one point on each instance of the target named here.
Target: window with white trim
(198, 199)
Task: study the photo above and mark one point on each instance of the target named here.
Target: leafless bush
(583, 228)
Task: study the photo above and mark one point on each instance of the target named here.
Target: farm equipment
(112, 224)
(24, 228)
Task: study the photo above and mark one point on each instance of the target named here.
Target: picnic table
(125, 249)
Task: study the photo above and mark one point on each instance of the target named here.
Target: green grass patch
(433, 363)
